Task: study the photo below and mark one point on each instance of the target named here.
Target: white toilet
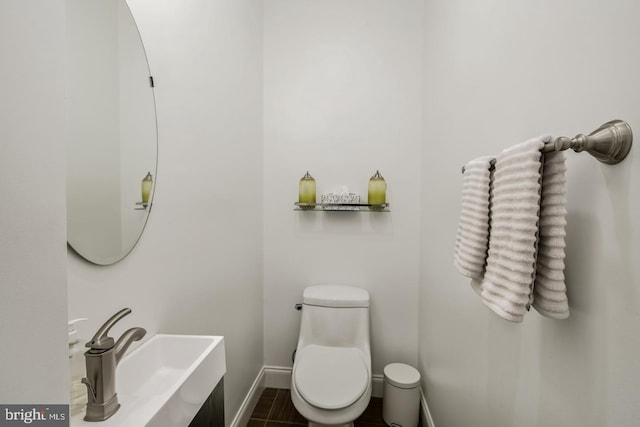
(331, 379)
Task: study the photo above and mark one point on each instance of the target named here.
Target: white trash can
(401, 398)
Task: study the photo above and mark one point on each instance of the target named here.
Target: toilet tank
(335, 315)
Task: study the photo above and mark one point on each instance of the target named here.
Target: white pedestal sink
(165, 381)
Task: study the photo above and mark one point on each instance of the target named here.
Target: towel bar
(610, 143)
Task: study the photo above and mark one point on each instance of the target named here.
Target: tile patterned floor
(274, 409)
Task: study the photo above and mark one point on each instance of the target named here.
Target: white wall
(198, 266)
(342, 99)
(33, 305)
(495, 74)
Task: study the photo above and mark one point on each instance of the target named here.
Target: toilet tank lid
(335, 296)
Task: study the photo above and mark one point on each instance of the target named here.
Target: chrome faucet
(102, 358)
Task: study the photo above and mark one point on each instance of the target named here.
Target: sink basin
(165, 381)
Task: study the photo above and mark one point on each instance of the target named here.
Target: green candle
(147, 183)
(377, 191)
(307, 190)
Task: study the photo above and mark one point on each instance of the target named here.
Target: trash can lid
(401, 375)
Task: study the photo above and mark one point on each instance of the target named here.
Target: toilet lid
(330, 377)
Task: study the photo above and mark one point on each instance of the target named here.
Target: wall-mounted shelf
(342, 207)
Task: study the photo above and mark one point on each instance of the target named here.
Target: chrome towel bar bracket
(610, 143)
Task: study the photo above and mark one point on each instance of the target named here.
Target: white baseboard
(277, 377)
(250, 401)
(377, 385)
(280, 377)
(425, 414)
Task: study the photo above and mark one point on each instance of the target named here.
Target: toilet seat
(330, 377)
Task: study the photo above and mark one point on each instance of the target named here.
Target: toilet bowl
(331, 378)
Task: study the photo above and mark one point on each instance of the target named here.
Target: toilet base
(312, 424)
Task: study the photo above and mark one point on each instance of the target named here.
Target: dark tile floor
(274, 409)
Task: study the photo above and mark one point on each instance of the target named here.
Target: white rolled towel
(515, 207)
(550, 291)
(473, 229)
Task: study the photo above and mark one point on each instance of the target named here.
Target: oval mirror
(111, 130)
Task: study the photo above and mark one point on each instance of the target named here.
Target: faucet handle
(100, 340)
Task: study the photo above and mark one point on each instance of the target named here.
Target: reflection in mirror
(111, 130)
